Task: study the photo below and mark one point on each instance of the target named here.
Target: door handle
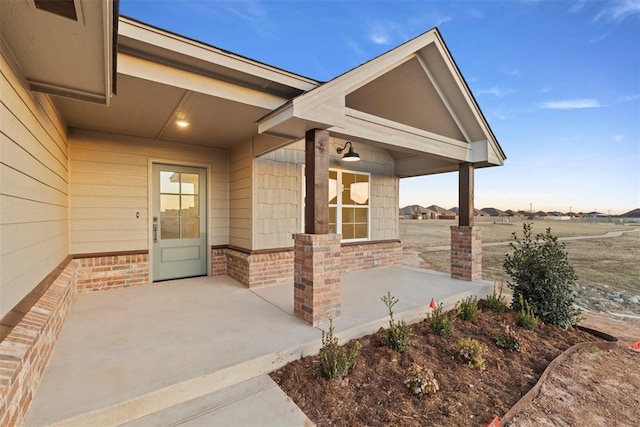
(155, 233)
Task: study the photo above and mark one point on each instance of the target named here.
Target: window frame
(339, 203)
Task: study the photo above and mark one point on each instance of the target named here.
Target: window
(349, 204)
(179, 205)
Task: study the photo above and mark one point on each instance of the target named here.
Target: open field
(608, 268)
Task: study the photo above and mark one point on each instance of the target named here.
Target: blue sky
(558, 81)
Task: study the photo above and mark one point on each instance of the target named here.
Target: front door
(179, 223)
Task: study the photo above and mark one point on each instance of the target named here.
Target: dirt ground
(594, 388)
(374, 393)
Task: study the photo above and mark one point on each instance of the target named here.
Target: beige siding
(240, 196)
(33, 189)
(278, 199)
(108, 188)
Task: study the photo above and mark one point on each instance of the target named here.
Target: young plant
(526, 318)
(472, 350)
(336, 361)
(421, 381)
(398, 333)
(468, 308)
(495, 302)
(539, 270)
(442, 323)
(508, 340)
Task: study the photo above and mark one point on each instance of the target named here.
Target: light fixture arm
(350, 156)
(340, 150)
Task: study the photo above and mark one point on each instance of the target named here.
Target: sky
(558, 81)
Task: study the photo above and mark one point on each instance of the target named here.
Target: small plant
(539, 270)
(495, 301)
(468, 308)
(472, 350)
(526, 318)
(421, 381)
(442, 323)
(336, 361)
(508, 340)
(398, 333)
(592, 349)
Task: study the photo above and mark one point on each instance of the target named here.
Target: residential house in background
(132, 155)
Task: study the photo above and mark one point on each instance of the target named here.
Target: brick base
(316, 292)
(101, 273)
(26, 350)
(259, 270)
(364, 256)
(466, 253)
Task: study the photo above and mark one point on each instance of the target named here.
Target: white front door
(179, 222)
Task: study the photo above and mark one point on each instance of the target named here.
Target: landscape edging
(610, 342)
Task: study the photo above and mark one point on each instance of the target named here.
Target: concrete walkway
(195, 351)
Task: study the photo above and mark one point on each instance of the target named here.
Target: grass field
(608, 268)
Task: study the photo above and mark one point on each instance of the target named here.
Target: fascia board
(148, 70)
(181, 46)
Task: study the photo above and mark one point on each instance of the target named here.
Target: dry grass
(604, 266)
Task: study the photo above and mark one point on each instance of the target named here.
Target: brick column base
(316, 292)
(466, 253)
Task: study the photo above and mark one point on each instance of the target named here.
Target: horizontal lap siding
(109, 187)
(240, 197)
(33, 189)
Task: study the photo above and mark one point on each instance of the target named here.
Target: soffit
(59, 55)
(149, 109)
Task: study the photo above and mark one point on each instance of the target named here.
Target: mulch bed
(374, 392)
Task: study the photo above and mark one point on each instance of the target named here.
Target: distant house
(132, 155)
(493, 212)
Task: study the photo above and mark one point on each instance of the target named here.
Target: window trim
(339, 205)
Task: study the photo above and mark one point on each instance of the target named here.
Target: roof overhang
(412, 101)
(64, 48)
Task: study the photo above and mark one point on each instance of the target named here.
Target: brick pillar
(316, 277)
(466, 252)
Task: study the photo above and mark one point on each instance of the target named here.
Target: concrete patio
(193, 351)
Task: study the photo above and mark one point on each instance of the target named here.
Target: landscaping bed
(374, 392)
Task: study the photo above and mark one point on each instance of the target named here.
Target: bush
(468, 308)
(420, 381)
(336, 361)
(495, 301)
(398, 333)
(508, 340)
(442, 323)
(540, 272)
(526, 318)
(472, 350)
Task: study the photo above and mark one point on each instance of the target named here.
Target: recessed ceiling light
(182, 123)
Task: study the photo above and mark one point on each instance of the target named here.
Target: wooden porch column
(466, 242)
(316, 291)
(316, 209)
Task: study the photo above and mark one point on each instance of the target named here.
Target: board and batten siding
(109, 189)
(33, 189)
(278, 201)
(240, 196)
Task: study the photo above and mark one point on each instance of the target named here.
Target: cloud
(619, 11)
(496, 91)
(627, 98)
(379, 34)
(618, 138)
(509, 71)
(571, 104)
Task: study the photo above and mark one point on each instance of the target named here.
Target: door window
(179, 205)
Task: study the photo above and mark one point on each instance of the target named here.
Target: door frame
(150, 199)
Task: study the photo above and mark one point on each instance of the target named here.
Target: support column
(317, 253)
(466, 240)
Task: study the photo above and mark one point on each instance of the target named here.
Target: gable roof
(411, 100)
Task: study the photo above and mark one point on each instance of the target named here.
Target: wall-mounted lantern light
(350, 156)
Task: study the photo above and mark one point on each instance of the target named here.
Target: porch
(128, 353)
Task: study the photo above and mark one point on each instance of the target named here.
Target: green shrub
(336, 361)
(442, 323)
(539, 270)
(508, 340)
(495, 302)
(468, 308)
(526, 318)
(472, 350)
(421, 381)
(398, 333)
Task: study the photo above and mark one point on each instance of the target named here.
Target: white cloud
(619, 10)
(618, 138)
(496, 91)
(545, 90)
(379, 35)
(571, 104)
